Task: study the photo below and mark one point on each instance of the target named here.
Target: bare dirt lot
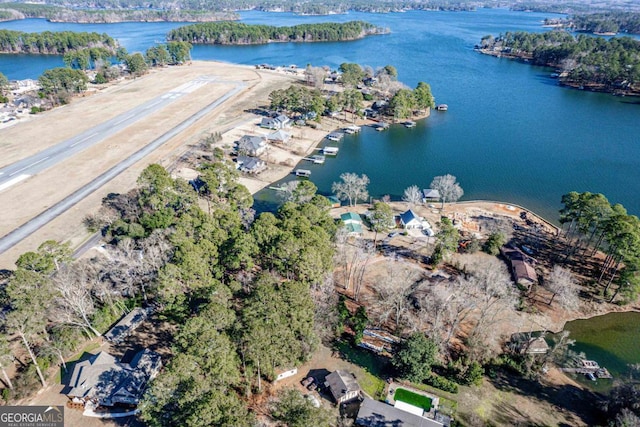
(27, 199)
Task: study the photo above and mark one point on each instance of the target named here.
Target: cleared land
(27, 199)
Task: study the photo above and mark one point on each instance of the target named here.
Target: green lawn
(412, 398)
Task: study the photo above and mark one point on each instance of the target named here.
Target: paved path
(19, 171)
(56, 210)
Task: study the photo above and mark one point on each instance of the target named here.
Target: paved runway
(19, 171)
(15, 236)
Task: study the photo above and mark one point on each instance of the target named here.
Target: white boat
(410, 124)
(303, 172)
(330, 151)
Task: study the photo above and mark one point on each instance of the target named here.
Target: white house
(409, 220)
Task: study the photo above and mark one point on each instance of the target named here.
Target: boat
(590, 376)
(330, 151)
(410, 124)
(303, 173)
(318, 159)
(442, 107)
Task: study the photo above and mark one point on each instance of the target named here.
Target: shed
(430, 195)
(342, 385)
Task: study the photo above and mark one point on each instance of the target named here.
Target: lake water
(611, 340)
(510, 134)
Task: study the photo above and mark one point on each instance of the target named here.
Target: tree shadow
(582, 403)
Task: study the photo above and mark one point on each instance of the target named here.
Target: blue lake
(510, 134)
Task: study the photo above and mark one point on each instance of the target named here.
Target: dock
(352, 129)
(317, 159)
(589, 368)
(335, 136)
(305, 173)
(381, 126)
(330, 151)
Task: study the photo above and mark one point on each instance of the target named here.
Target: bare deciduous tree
(412, 195)
(391, 298)
(563, 287)
(352, 187)
(73, 304)
(448, 187)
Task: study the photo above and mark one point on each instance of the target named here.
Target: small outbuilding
(430, 195)
(343, 386)
(352, 222)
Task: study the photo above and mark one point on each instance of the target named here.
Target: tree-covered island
(584, 62)
(238, 33)
(53, 43)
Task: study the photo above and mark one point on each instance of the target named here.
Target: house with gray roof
(105, 381)
(252, 145)
(343, 386)
(430, 195)
(279, 122)
(279, 137)
(248, 164)
(379, 414)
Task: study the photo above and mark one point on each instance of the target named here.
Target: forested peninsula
(584, 62)
(53, 43)
(237, 33)
(13, 11)
(600, 23)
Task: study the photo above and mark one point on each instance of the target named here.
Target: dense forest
(238, 33)
(56, 43)
(11, 11)
(589, 62)
(598, 23)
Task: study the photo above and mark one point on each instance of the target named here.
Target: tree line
(192, 8)
(591, 224)
(69, 12)
(612, 64)
(605, 22)
(56, 43)
(239, 33)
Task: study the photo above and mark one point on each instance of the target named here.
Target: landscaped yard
(414, 399)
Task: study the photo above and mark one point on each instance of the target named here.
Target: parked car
(393, 234)
(312, 387)
(307, 381)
